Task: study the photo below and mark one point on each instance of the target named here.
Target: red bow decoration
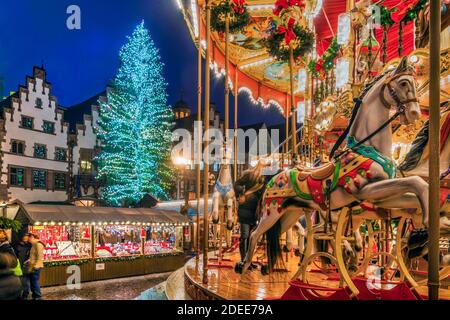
(289, 34)
(284, 4)
(319, 64)
(239, 6)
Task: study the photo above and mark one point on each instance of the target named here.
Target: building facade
(42, 152)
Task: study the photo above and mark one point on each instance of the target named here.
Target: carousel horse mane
(413, 157)
(358, 102)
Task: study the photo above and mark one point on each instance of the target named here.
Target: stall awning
(31, 214)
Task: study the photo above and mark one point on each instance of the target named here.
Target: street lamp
(183, 163)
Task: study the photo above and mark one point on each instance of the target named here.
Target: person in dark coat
(10, 285)
(22, 250)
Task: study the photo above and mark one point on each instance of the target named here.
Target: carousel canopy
(261, 76)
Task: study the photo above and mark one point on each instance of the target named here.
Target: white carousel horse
(224, 197)
(415, 163)
(364, 172)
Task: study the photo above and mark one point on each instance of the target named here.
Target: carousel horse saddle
(318, 173)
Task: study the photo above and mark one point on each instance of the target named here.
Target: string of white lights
(260, 101)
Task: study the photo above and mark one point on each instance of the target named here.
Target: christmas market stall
(105, 242)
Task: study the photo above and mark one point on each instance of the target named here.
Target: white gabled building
(34, 143)
(44, 156)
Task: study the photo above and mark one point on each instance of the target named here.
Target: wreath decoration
(239, 16)
(279, 41)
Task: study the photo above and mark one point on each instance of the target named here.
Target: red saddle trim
(316, 190)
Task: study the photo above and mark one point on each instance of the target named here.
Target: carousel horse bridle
(400, 105)
(400, 109)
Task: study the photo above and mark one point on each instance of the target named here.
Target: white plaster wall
(13, 131)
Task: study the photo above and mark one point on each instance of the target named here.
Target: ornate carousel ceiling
(255, 72)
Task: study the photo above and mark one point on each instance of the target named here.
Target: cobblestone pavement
(114, 289)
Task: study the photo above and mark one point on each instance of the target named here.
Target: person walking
(22, 250)
(35, 265)
(10, 285)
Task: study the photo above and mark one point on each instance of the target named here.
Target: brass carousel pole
(286, 127)
(206, 156)
(226, 124)
(227, 72)
(293, 119)
(236, 92)
(435, 70)
(199, 140)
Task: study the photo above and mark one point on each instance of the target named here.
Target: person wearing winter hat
(35, 265)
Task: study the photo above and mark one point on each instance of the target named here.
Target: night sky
(80, 63)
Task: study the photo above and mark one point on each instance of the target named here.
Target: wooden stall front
(105, 243)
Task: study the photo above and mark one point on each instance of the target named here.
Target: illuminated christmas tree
(135, 126)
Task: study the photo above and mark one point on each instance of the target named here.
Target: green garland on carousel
(303, 43)
(326, 63)
(239, 16)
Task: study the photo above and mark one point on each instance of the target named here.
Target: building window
(27, 122)
(86, 166)
(48, 127)
(86, 156)
(60, 154)
(17, 147)
(40, 151)
(39, 179)
(60, 181)
(38, 103)
(16, 176)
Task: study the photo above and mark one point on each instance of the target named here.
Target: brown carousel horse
(364, 171)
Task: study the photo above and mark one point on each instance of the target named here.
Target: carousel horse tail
(273, 244)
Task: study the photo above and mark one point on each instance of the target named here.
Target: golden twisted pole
(206, 156)
(199, 140)
(293, 119)
(434, 206)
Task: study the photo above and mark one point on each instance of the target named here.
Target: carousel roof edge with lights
(264, 77)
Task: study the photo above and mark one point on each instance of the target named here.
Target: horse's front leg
(215, 207)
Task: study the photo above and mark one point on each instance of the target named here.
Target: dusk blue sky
(80, 63)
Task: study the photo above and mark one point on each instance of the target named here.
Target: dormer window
(38, 103)
(48, 127)
(27, 122)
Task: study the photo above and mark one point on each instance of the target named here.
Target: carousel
(359, 205)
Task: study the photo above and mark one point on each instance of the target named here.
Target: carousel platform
(225, 284)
